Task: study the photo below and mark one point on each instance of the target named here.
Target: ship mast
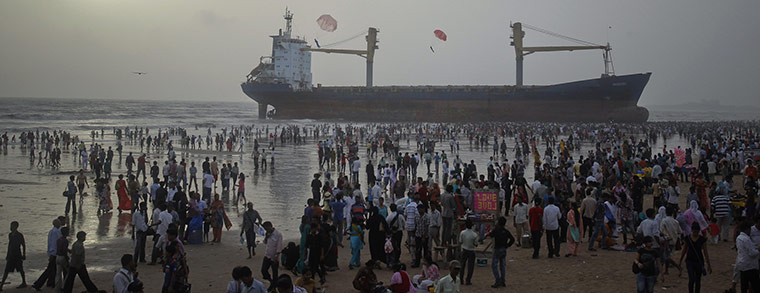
(522, 51)
(288, 22)
(368, 54)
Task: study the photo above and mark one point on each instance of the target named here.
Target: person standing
(316, 246)
(520, 212)
(536, 215)
(396, 226)
(503, 239)
(421, 235)
(448, 204)
(273, 242)
(77, 266)
(412, 216)
(15, 256)
(695, 252)
(469, 241)
(316, 186)
(721, 208)
(338, 206)
(250, 219)
(193, 179)
(588, 207)
(747, 258)
(71, 196)
(356, 231)
(140, 224)
(551, 225)
(49, 273)
(599, 226)
(574, 230)
(81, 183)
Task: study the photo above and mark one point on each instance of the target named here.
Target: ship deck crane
(521, 51)
(368, 54)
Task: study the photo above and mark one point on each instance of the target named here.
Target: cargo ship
(284, 81)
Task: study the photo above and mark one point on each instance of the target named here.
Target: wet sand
(32, 196)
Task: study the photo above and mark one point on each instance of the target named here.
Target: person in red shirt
(750, 170)
(535, 216)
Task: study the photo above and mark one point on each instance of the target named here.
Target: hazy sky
(199, 50)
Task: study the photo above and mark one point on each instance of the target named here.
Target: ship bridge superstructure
(288, 64)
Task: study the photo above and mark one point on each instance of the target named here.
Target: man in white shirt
(747, 258)
(376, 193)
(164, 219)
(355, 167)
(521, 219)
(127, 275)
(551, 225)
(139, 222)
(649, 227)
(208, 183)
(469, 240)
(273, 242)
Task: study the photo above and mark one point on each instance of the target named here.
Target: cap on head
(454, 264)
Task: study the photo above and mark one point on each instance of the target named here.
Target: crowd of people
(584, 182)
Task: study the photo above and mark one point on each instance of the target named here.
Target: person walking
(62, 258)
(503, 239)
(551, 225)
(49, 274)
(536, 215)
(77, 266)
(125, 280)
(273, 242)
(648, 263)
(15, 256)
(695, 252)
(251, 218)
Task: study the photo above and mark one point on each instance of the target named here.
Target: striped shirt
(721, 205)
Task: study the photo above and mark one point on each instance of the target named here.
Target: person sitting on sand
(365, 279)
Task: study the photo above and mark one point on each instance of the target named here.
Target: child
(714, 230)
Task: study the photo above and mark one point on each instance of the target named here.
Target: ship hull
(605, 99)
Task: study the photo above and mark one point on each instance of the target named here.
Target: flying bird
(139, 73)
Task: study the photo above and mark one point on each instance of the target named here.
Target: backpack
(600, 211)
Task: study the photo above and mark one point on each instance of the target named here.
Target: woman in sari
(574, 230)
(357, 243)
(693, 215)
(101, 189)
(125, 203)
(218, 218)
